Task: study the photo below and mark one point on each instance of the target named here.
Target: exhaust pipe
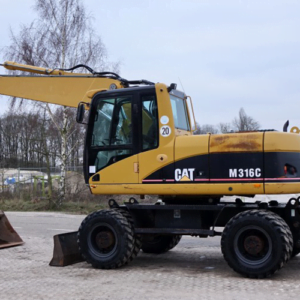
(8, 236)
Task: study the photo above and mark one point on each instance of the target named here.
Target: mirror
(80, 113)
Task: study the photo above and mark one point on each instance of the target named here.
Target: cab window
(112, 131)
(180, 113)
(149, 123)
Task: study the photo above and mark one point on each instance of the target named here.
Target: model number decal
(245, 173)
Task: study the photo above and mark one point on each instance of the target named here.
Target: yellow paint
(236, 142)
(162, 158)
(179, 189)
(67, 91)
(120, 172)
(90, 94)
(282, 188)
(281, 142)
(188, 146)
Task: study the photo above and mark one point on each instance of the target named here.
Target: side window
(149, 123)
(123, 132)
(112, 122)
(112, 131)
(102, 122)
(180, 114)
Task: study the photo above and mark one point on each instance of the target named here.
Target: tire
(296, 251)
(256, 243)
(159, 243)
(296, 248)
(137, 240)
(105, 239)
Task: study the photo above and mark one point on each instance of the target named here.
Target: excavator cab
(130, 133)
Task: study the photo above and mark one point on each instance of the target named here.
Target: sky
(225, 54)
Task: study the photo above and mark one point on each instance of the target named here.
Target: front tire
(256, 243)
(137, 240)
(105, 239)
(296, 248)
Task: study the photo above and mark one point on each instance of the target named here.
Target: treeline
(242, 122)
(31, 139)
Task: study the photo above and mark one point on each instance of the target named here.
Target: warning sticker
(164, 120)
(92, 169)
(165, 131)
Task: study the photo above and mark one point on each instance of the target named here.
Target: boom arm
(56, 86)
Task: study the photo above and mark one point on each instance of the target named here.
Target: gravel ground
(195, 269)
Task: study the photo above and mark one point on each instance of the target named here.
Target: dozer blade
(66, 251)
(8, 236)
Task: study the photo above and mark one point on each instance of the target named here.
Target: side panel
(282, 163)
(175, 189)
(236, 160)
(229, 164)
(198, 172)
(236, 142)
(237, 164)
(191, 159)
(120, 172)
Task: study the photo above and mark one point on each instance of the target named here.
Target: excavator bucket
(8, 236)
(66, 251)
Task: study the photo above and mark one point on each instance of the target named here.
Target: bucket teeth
(66, 251)
(8, 236)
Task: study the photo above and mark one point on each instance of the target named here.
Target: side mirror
(80, 113)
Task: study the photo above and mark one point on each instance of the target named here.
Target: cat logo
(184, 174)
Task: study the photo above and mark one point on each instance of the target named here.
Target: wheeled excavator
(139, 140)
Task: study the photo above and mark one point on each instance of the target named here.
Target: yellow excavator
(139, 140)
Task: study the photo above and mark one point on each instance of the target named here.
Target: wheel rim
(253, 245)
(103, 240)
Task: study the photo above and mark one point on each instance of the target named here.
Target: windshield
(179, 109)
(112, 122)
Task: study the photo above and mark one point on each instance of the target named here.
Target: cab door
(156, 157)
(112, 139)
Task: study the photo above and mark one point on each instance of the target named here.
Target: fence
(35, 181)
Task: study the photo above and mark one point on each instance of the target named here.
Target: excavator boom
(54, 86)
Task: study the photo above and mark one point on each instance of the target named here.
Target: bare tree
(204, 129)
(225, 127)
(244, 122)
(62, 37)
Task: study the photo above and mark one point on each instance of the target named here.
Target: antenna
(181, 84)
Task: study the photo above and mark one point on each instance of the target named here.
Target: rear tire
(105, 239)
(257, 243)
(159, 243)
